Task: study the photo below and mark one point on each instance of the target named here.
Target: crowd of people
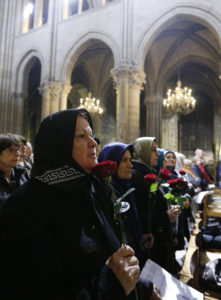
(78, 225)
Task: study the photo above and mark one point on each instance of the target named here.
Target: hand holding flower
(126, 268)
(123, 262)
(173, 213)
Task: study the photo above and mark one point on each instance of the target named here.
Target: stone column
(170, 132)
(154, 117)
(51, 93)
(18, 118)
(37, 13)
(64, 96)
(129, 82)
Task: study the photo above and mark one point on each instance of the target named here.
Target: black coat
(161, 228)
(18, 177)
(57, 251)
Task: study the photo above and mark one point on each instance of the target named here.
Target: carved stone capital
(51, 89)
(135, 76)
(66, 89)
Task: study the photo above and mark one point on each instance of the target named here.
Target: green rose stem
(118, 209)
(151, 203)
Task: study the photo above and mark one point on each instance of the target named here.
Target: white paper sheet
(170, 287)
(199, 197)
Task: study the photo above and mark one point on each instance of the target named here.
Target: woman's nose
(92, 141)
(130, 165)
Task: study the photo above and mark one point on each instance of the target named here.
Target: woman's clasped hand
(125, 266)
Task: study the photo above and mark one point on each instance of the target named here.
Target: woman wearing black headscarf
(57, 232)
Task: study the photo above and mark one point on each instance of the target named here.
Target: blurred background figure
(218, 173)
(179, 161)
(195, 182)
(26, 155)
(11, 176)
(200, 169)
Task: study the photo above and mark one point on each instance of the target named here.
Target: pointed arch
(166, 18)
(24, 67)
(78, 48)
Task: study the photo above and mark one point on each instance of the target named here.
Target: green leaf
(154, 187)
(169, 196)
(108, 179)
(117, 207)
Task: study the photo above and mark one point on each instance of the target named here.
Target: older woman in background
(182, 230)
(159, 236)
(122, 154)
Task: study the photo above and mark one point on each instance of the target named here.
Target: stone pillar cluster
(54, 97)
(128, 82)
(154, 117)
(170, 132)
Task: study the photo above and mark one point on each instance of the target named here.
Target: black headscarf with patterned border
(53, 161)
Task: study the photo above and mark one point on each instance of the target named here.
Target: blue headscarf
(115, 152)
(160, 159)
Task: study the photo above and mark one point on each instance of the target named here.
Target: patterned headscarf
(53, 161)
(142, 149)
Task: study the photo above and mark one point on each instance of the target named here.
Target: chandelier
(180, 100)
(92, 105)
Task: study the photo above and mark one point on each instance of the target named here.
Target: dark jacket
(57, 251)
(161, 229)
(57, 231)
(52, 251)
(18, 177)
(183, 227)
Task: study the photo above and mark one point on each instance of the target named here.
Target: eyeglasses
(14, 150)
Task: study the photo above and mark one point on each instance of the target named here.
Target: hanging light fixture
(92, 105)
(180, 100)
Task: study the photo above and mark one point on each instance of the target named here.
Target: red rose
(182, 172)
(172, 182)
(181, 182)
(150, 178)
(104, 169)
(165, 174)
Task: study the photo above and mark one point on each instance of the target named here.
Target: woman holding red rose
(159, 236)
(182, 230)
(57, 233)
(121, 154)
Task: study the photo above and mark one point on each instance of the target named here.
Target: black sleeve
(110, 288)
